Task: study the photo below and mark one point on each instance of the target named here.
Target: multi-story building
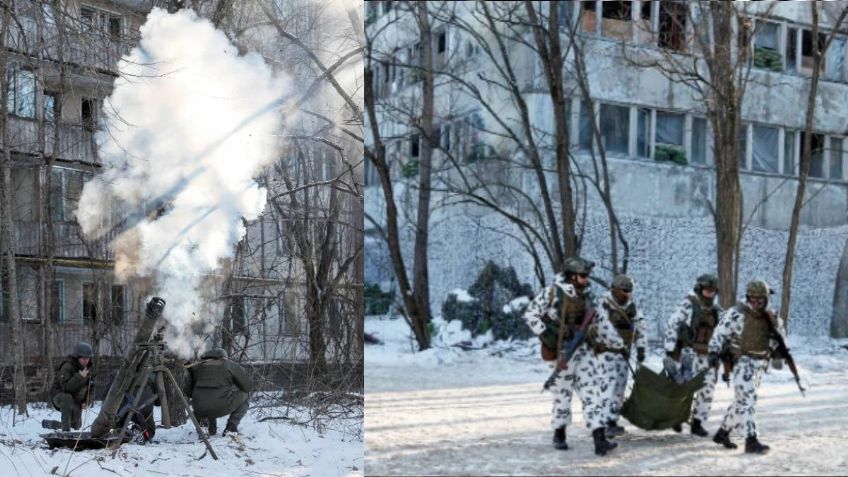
(657, 139)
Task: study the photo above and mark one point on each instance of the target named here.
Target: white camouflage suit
(747, 374)
(581, 373)
(613, 366)
(704, 398)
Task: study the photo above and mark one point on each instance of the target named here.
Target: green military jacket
(217, 387)
(68, 380)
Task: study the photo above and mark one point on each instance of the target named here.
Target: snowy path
(271, 448)
(475, 415)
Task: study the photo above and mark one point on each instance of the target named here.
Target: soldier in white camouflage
(749, 328)
(619, 326)
(556, 316)
(687, 334)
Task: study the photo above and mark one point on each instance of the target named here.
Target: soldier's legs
(704, 397)
(71, 411)
(741, 414)
(235, 418)
(562, 390)
(587, 383)
(620, 374)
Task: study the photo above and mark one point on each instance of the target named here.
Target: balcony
(75, 142)
(87, 49)
(67, 238)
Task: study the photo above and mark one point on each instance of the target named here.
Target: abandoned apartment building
(86, 303)
(657, 137)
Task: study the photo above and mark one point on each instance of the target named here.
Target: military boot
(602, 445)
(753, 446)
(698, 429)
(559, 439)
(213, 426)
(678, 428)
(723, 437)
(51, 424)
(613, 429)
(230, 428)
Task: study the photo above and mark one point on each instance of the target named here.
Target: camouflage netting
(492, 307)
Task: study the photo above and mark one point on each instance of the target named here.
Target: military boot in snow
(230, 429)
(698, 429)
(723, 437)
(753, 446)
(602, 445)
(613, 429)
(559, 439)
(678, 428)
(213, 426)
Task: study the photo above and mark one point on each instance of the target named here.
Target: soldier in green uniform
(70, 389)
(219, 387)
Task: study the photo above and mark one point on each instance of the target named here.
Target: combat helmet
(577, 265)
(759, 289)
(706, 280)
(622, 282)
(83, 350)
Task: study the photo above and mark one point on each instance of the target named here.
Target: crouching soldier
(687, 334)
(618, 326)
(749, 327)
(218, 387)
(70, 390)
(556, 315)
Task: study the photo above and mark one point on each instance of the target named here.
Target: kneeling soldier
(749, 327)
(219, 387)
(70, 389)
(688, 333)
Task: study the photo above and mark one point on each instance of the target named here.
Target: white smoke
(190, 123)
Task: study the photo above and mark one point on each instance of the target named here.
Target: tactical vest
(623, 319)
(754, 340)
(574, 308)
(703, 323)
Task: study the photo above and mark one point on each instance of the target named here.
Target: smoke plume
(188, 126)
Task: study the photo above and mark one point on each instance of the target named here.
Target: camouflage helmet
(623, 282)
(83, 350)
(758, 288)
(706, 280)
(577, 265)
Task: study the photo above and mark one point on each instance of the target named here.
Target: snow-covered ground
(450, 411)
(269, 448)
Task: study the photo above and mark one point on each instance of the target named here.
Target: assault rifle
(571, 346)
(783, 350)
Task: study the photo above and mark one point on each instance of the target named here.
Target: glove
(713, 360)
(726, 378)
(640, 354)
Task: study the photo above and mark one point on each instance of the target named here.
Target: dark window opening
(587, 16)
(816, 154)
(413, 146)
(89, 303)
(646, 10)
(807, 51)
(442, 42)
(115, 27)
(237, 316)
(615, 20)
(57, 302)
(672, 33)
(88, 113)
(616, 10)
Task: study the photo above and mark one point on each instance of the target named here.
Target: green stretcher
(658, 402)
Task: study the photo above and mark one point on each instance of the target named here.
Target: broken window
(766, 52)
(57, 303)
(791, 50)
(765, 149)
(699, 141)
(672, 25)
(615, 128)
(616, 19)
(21, 99)
(414, 145)
(588, 17)
(807, 51)
(643, 132)
(817, 157)
(835, 60)
(88, 113)
(836, 155)
(585, 136)
(89, 303)
(789, 152)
